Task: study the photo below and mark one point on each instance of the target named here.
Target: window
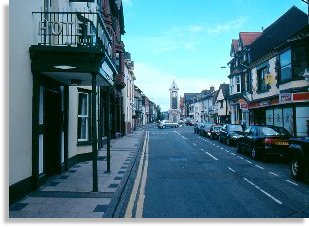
(286, 66)
(221, 104)
(237, 80)
(300, 61)
(83, 127)
(261, 74)
(231, 86)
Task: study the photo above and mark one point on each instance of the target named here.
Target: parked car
(261, 141)
(230, 133)
(205, 129)
(198, 127)
(189, 122)
(214, 131)
(299, 158)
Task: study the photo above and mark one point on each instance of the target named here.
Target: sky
(189, 41)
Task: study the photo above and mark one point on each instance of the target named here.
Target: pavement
(70, 195)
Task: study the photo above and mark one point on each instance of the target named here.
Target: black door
(52, 131)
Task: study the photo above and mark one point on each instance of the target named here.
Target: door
(52, 131)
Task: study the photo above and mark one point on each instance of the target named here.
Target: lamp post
(307, 2)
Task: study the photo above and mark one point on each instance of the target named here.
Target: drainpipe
(94, 135)
(108, 131)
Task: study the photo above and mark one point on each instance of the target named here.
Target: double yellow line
(139, 183)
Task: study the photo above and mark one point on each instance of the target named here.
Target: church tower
(174, 112)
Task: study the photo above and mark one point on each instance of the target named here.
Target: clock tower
(174, 112)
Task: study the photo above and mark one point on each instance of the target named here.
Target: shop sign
(57, 28)
(243, 106)
(269, 79)
(285, 97)
(303, 96)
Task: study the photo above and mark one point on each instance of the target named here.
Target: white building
(62, 66)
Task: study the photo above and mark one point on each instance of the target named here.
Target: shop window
(83, 127)
(261, 76)
(286, 66)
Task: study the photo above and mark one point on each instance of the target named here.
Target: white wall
(20, 88)
(273, 90)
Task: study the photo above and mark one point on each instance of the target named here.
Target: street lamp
(307, 2)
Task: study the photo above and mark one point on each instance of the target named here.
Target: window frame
(88, 139)
(259, 81)
(286, 65)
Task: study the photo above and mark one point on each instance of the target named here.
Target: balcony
(73, 42)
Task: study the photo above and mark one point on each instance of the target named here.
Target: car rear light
(269, 141)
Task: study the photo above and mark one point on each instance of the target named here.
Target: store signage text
(285, 97)
(57, 28)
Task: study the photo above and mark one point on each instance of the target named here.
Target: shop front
(288, 110)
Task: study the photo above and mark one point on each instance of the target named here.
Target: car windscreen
(216, 129)
(267, 131)
(235, 128)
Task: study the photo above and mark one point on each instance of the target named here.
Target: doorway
(53, 122)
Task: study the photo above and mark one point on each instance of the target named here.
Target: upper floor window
(235, 84)
(237, 80)
(261, 78)
(300, 60)
(286, 66)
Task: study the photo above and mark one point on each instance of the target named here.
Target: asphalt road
(184, 175)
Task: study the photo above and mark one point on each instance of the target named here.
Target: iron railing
(75, 29)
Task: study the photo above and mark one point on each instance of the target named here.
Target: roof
(225, 90)
(282, 29)
(174, 86)
(188, 96)
(249, 37)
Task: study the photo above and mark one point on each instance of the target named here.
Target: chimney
(212, 88)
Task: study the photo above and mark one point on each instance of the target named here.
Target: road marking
(274, 174)
(291, 182)
(240, 157)
(259, 166)
(231, 169)
(202, 149)
(233, 154)
(194, 144)
(266, 193)
(221, 148)
(248, 161)
(212, 156)
(227, 151)
(140, 182)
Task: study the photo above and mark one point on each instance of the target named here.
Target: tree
(159, 114)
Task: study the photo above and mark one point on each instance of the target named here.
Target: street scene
(128, 109)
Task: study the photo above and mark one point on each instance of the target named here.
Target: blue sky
(189, 40)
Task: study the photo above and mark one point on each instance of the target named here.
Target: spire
(174, 86)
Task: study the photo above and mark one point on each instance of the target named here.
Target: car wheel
(296, 168)
(238, 145)
(253, 153)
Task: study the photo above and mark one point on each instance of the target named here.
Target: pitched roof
(286, 26)
(188, 96)
(225, 90)
(249, 37)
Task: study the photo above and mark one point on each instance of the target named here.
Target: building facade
(279, 90)
(71, 90)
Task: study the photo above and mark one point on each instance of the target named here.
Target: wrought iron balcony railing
(74, 29)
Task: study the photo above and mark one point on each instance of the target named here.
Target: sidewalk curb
(113, 205)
